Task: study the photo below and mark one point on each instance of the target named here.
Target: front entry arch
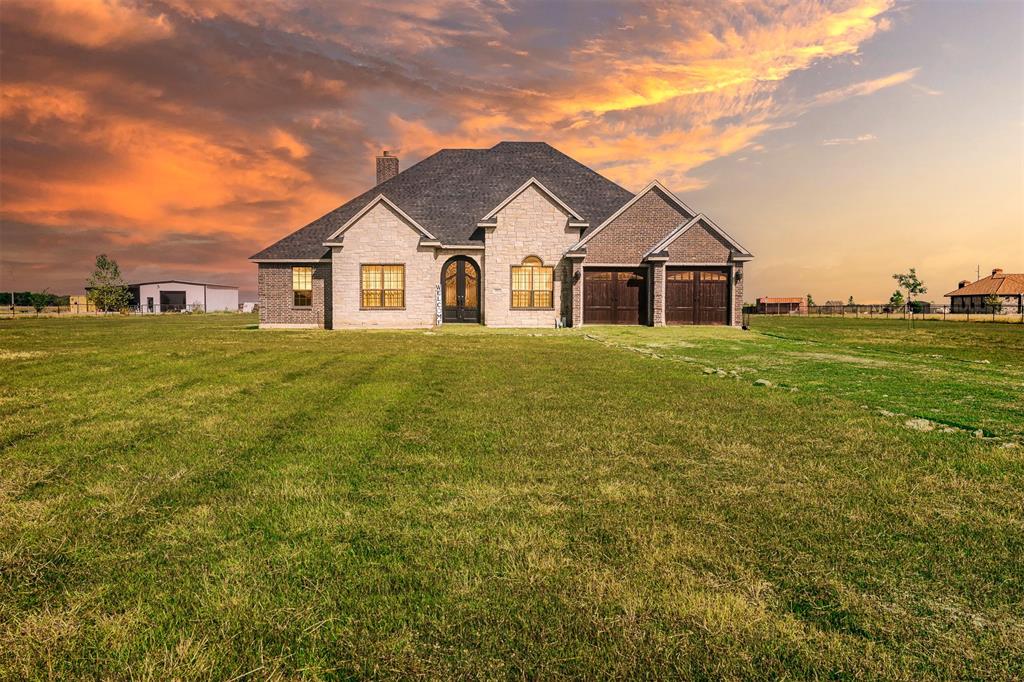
(460, 290)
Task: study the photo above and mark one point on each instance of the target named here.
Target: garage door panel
(695, 296)
(679, 293)
(713, 299)
(614, 296)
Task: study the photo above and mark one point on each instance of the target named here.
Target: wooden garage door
(614, 296)
(696, 296)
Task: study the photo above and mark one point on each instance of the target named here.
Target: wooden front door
(460, 290)
(614, 296)
(697, 296)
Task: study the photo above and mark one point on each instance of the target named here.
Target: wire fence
(8, 312)
(1013, 313)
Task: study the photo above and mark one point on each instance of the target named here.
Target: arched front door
(460, 290)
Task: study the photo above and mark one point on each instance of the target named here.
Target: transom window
(382, 286)
(302, 287)
(532, 284)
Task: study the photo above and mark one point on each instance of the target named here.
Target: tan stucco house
(518, 235)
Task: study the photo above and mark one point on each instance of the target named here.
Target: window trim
(382, 290)
(512, 290)
(312, 271)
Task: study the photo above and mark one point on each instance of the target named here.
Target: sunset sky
(838, 142)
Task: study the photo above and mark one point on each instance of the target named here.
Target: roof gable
(651, 186)
(532, 182)
(336, 236)
(739, 253)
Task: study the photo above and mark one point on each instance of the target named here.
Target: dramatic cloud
(182, 136)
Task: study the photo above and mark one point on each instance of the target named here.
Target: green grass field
(186, 496)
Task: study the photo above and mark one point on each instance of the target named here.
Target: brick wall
(698, 245)
(274, 284)
(626, 239)
(530, 225)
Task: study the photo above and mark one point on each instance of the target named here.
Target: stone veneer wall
(530, 225)
(636, 230)
(274, 284)
(658, 294)
(737, 295)
(382, 237)
(577, 292)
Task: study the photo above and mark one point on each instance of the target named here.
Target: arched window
(533, 284)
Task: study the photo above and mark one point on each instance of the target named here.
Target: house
(177, 295)
(794, 305)
(518, 235)
(971, 297)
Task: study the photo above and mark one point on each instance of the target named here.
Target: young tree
(993, 303)
(810, 300)
(896, 300)
(106, 288)
(40, 300)
(850, 302)
(910, 283)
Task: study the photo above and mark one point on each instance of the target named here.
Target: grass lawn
(187, 496)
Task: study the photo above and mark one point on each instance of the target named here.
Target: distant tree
(40, 300)
(810, 300)
(850, 302)
(910, 283)
(896, 300)
(994, 303)
(106, 288)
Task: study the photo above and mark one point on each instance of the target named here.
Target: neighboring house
(518, 235)
(971, 297)
(175, 295)
(793, 305)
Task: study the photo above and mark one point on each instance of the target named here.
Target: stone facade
(658, 294)
(633, 232)
(277, 309)
(577, 292)
(737, 295)
(529, 225)
(382, 237)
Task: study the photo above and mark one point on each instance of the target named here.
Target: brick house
(782, 305)
(518, 235)
(972, 297)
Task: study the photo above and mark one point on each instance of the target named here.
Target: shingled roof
(449, 192)
(1009, 284)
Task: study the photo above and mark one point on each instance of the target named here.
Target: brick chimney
(997, 271)
(387, 166)
(963, 283)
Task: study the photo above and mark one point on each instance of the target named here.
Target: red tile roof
(1003, 284)
(768, 299)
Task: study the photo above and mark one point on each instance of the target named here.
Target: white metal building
(176, 295)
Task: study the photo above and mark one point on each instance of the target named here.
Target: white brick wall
(530, 225)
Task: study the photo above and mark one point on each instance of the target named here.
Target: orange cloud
(245, 120)
(90, 23)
